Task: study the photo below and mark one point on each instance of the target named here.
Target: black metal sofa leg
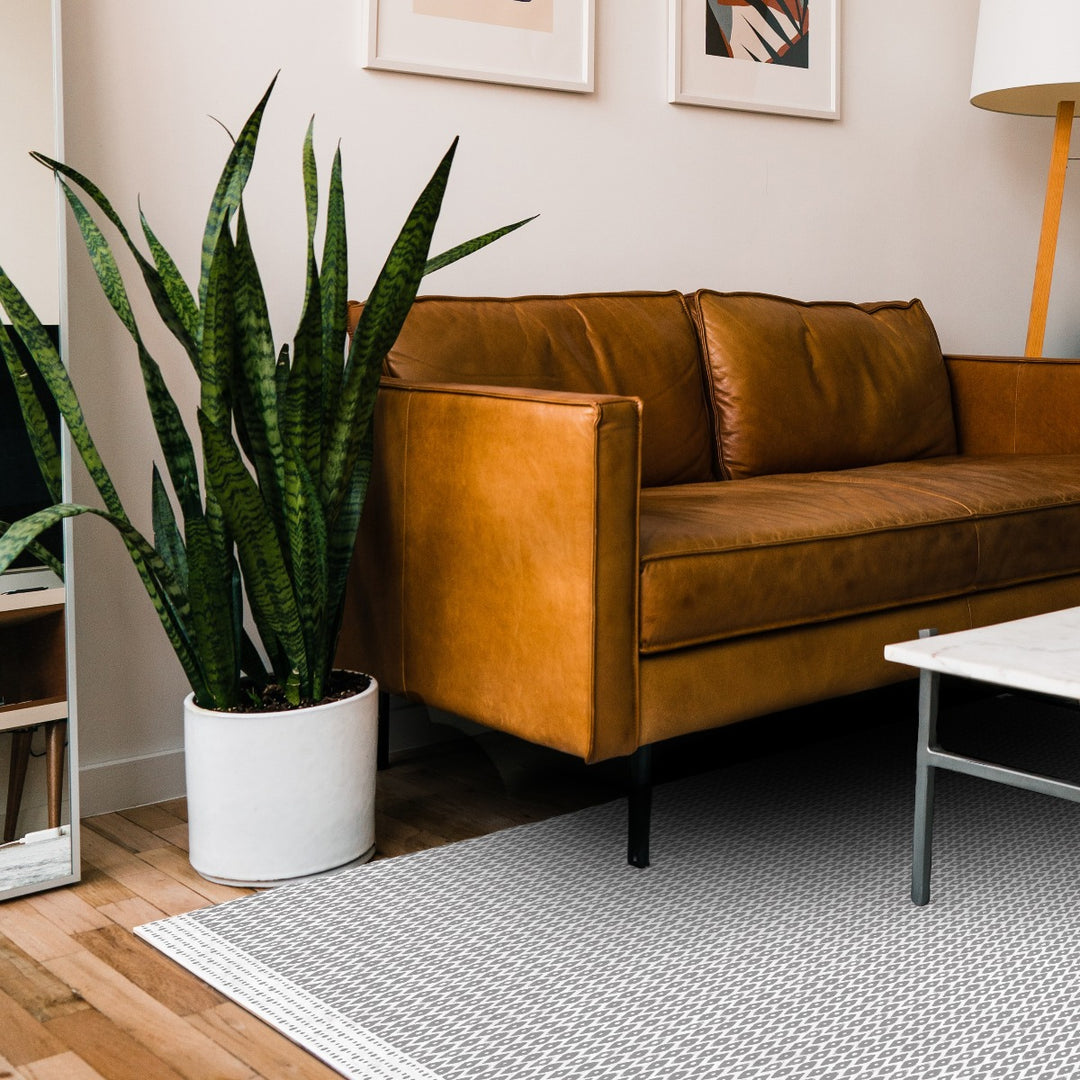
(382, 753)
(640, 806)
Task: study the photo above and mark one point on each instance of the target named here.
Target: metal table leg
(924, 784)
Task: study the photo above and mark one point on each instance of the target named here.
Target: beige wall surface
(29, 250)
(911, 193)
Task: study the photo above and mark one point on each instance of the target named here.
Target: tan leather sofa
(598, 522)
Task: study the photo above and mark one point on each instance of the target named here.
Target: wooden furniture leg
(640, 807)
(20, 758)
(55, 740)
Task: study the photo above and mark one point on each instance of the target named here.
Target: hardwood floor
(82, 998)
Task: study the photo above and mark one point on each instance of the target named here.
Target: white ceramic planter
(274, 797)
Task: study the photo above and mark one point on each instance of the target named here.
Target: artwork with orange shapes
(763, 31)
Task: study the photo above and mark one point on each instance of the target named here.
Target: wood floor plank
(32, 986)
(153, 818)
(22, 1037)
(176, 807)
(120, 830)
(175, 863)
(151, 971)
(132, 913)
(33, 932)
(113, 1052)
(396, 837)
(98, 889)
(146, 1020)
(129, 1013)
(143, 879)
(68, 910)
(177, 835)
(269, 1053)
(66, 1066)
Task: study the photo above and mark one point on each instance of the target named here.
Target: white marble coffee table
(1040, 653)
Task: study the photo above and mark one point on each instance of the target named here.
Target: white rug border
(336, 1040)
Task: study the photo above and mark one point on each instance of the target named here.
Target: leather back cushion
(802, 387)
(635, 344)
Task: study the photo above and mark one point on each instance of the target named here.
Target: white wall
(912, 193)
(28, 234)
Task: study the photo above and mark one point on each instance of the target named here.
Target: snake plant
(286, 435)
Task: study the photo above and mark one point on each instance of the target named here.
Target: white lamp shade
(1027, 56)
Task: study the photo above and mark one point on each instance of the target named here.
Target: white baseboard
(135, 781)
(151, 778)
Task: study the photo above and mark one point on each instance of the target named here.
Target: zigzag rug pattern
(773, 937)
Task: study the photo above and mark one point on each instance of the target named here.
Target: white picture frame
(496, 41)
(806, 84)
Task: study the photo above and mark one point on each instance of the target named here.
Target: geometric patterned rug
(773, 937)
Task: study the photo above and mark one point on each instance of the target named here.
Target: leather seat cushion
(634, 344)
(801, 387)
(724, 559)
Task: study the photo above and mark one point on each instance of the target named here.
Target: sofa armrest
(1015, 405)
(497, 564)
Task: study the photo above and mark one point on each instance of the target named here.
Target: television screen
(22, 490)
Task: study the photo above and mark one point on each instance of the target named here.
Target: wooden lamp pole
(1044, 267)
(1027, 63)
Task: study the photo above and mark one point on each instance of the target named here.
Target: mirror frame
(71, 754)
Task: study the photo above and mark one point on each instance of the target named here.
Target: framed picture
(778, 56)
(546, 43)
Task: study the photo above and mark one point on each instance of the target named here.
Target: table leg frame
(929, 682)
(930, 757)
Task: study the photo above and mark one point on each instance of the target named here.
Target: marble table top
(1040, 653)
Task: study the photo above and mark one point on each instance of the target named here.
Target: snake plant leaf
(341, 544)
(467, 248)
(47, 360)
(218, 340)
(307, 555)
(281, 377)
(103, 261)
(251, 663)
(163, 290)
(176, 288)
(172, 435)
(217, 371)
(266, 575)
(230, 188)
(381, 320)
(167, 537)
(304, 423)
(334, 284)
(165, 594)
(311, 182)
(39, 552)
(255, 382)
(211, 596)
(42, 441)
(304, 410)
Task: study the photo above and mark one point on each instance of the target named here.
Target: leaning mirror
(38, 793)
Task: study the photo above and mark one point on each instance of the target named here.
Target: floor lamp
(1027, 61)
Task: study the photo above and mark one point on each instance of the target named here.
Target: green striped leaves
(286, 430)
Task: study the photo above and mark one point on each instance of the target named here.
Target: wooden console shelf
(33, 690)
